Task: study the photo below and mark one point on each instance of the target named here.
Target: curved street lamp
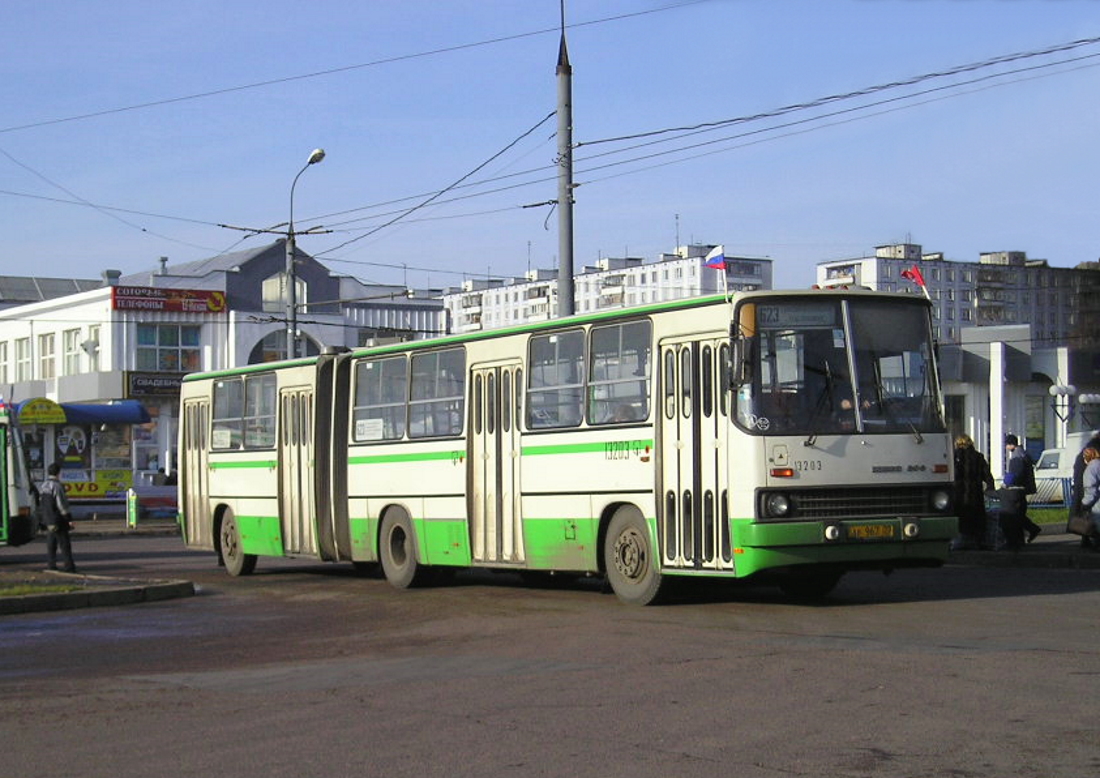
(291, 274)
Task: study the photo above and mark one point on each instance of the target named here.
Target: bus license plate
(871, 531)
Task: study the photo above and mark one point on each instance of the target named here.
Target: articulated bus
(17, 494)
(785, 435)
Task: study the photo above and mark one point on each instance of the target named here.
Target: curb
(107, 592)
(1071, 560)
(1053, 549)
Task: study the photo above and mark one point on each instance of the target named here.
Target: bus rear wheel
(397, 551)
(236, 561)
(631, 566)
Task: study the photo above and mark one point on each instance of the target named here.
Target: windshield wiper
(826, 394)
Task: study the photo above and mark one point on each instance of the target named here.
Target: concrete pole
(565, 179)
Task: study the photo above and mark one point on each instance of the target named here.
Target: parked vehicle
(1055, 468)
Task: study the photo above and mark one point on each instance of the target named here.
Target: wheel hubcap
(630, 558)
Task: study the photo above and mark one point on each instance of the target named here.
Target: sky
(134, 130)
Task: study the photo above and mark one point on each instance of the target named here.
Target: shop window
(273, 292)
(23, 359)
(71, 354)
(168, 348)
(93, 348)
(47, 357)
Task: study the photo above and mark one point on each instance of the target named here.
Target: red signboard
(148, 298)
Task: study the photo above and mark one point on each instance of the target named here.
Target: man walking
(1020, 466)
(54, 516)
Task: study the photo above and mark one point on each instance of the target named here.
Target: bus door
(496, 529)
(296, 496)
(693, 512)
(194, 473)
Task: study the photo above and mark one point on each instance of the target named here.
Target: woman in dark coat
(972, 480)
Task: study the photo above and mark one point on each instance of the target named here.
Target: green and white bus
(17, 494)
(794, 434)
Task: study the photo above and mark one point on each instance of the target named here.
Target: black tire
(236, 561)
(810, 586)
(632, 568)
(397, 551)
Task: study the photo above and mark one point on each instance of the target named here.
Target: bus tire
(810, 586)
(632, 569)
(236, 561)
(397, 551)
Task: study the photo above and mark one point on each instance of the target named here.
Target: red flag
(914, 275)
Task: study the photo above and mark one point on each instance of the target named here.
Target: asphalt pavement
(1054, 548)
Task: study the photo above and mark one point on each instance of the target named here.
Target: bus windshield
(835, 366)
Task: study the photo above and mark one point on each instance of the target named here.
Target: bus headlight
(941, 501)
(777, 505)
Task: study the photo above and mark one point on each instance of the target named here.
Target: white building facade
(95, 375)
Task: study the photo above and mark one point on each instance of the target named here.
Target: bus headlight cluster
(941, 501)
(777, 505)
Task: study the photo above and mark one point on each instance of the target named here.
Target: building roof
(21, 290)
(200, 274)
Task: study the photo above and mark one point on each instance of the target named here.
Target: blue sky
(409, 96)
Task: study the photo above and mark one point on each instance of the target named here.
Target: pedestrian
(1090, 494)
(1013, 502)
(1077, 492)
(55, 518)
(972, 480)
(1022, 468)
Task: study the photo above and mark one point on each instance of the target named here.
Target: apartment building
(622, 282)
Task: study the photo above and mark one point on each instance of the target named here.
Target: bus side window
(618, 373)
(380, 394)
(228, 413)
(555, 380)
(437, 393)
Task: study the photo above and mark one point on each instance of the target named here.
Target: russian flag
(716, 258)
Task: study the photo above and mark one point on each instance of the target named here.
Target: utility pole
(565, 176)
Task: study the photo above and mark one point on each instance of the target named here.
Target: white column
(997, 413)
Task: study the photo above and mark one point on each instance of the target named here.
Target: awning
(117, 412)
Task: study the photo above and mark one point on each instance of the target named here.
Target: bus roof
(578, 319)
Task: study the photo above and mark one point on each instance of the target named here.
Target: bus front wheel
(397, 550)
(632, 569)
(236, 561)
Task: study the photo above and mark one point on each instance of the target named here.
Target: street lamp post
(291, 274)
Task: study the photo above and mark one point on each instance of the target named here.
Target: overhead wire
(726, 139)
(678, 132)
(345, 68)
(445, 189)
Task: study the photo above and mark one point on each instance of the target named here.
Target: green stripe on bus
(422, 456)
(269, 463)
(583, 448)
